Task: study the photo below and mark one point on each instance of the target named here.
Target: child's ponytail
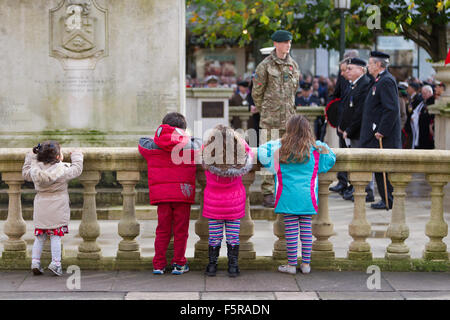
(37, 148)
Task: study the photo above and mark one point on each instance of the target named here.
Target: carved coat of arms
(78, 30)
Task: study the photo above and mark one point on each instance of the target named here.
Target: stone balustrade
(311, 113)
(360, 163)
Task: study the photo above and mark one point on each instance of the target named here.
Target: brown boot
(269, 201)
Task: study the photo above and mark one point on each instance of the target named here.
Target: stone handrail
(360, 163)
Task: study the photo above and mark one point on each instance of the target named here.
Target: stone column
(89, 227)
(128, 226)
(398, 231)
(201, 225)
(322, 227)
(244, 122)
(279, 247)
(436, 228)
(15, 227)
(359, 228)
(246, 248)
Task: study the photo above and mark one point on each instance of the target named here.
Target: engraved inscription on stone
(80, 84)
(78, 30)
(212, 109)
(13, 112)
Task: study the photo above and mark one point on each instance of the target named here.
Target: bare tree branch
(416, 38)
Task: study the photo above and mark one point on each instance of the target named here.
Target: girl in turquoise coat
(296, 160)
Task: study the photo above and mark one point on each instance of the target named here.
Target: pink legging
(292, 230)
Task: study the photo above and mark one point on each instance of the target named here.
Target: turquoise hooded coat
(296, 184)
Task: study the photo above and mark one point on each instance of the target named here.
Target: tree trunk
(438, 46)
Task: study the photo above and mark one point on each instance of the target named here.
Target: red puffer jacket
(171, 165)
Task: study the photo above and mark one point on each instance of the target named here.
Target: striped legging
(292, 222)
(232, 228)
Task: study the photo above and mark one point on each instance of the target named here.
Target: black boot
(211, 268)
(233, 254)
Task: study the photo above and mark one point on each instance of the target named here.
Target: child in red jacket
(171, 183)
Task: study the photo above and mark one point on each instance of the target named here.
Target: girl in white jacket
(51, 211)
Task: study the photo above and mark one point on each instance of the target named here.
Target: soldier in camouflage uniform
(274, 86)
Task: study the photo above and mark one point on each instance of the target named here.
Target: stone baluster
(89, 228)
(244, 122)
(15, 227)
(246, 248)
(436, 228)
(311, 120)
(201, 225)
(129, 227)
(398, 231)
(279, 247)
(322, 227)
(359, 228)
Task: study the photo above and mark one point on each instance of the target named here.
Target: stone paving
(250, 285)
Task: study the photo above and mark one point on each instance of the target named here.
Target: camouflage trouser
(268, 184)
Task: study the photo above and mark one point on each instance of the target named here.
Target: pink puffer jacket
(224, 196)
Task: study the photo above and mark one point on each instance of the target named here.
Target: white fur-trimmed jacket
(51, 205)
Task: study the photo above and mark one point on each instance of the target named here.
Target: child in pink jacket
(226, 158)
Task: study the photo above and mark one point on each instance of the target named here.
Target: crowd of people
(415, 96)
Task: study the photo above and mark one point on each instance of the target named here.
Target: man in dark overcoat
(381, 118)
(352, 109)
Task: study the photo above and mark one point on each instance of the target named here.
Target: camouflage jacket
(274, 86)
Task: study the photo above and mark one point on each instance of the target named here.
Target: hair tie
(39, 146)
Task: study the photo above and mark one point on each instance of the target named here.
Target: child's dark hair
(47, 151)
(175, 119)
(297, 141)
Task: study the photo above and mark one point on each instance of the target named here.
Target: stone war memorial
(89, 72)
(97, 75)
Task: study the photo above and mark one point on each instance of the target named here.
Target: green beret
(281, 36)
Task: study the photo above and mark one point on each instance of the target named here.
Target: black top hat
(243, 83)
(356, 61)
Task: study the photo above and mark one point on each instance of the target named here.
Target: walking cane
(386, 200)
